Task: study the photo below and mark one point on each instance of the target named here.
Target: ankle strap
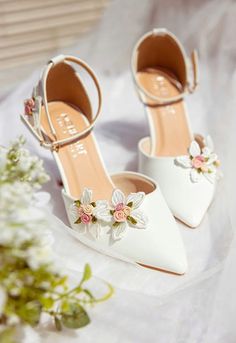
(189, 87)
(39, 98)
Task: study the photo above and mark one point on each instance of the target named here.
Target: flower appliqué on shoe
(90, 215)
(126, 213)
(120, 215)
(29, 106)
(201, 162)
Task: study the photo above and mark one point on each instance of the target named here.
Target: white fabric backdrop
(149, 306)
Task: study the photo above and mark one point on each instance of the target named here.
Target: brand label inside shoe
(161, 87)
(68, 129)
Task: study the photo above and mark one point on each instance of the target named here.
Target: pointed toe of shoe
(192, 208)
(164, 248)
(187, 200)
(159, 246)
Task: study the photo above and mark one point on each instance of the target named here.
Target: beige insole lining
(80, 163)
(170, 133)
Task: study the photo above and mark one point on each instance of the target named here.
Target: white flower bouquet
(30, 285)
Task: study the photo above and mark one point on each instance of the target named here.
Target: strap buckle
(53, 146)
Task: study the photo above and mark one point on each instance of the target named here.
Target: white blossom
(200, 162)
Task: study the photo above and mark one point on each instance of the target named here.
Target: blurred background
(32, 31)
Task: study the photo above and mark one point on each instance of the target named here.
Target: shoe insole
(79, 163)
(170, 133)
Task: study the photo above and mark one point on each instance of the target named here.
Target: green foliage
(33, 292)
(20, 165)
(29, 283)
(132, 220)
(78, 203)
(87, 273)
(8, 336)
(75, 317)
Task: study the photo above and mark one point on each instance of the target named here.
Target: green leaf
(87, 273)
(78, 203)
(94, 219)
(78, 221)
(30, 313)
(65, 306)
(58, 324)
(132, 220)
(75, 318)
(62, 281)
(93, 204)
(112, 212)
(87, 291)
(47, 303)
(7, 336)
(130, 204)
(116, 224)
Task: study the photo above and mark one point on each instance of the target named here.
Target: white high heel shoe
(184, 165)
(123, 215)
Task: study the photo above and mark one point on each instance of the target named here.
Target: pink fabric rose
(29, 105)
(119, 207)
(80, 211)
(88, 209)
(198, 161)
(127, 211)
(204, 168)
(85, 218)
(119, 216)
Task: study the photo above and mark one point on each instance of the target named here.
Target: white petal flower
(211, 159)
(126, 213)
(117, 197)
(88, 215)
(102, 211)
(200, 162)
(195, 175)
(136, 199)
(194, 149)
(93, 217)
(73, 209)
(184, 161)
(140, 218)
(95, 230)
(206, 152)
(119, 231)
(86, 197)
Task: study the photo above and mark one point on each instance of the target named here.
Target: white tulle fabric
(149, 306)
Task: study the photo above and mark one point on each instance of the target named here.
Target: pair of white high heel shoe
(129, 215)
